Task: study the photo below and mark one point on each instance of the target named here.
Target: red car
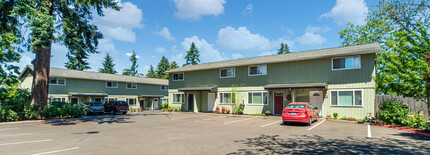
(301, 112)
(115, 107)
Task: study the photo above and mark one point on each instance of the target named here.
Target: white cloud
(353, 11)
(316, 29)
(248, 9)
(25, 60)
(119, 25)
(179, 58)
(241, 39)
(268, 53)
(129, 54)
(207, 51)
(193, 9)
(160, 49)
(236, 56)
(164, 32)
(311, 39)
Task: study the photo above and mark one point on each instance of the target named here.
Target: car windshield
(122, 103)
(296, 106)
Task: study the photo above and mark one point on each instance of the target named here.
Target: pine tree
(77, 60)
(151, 73)
(284, 49)
(162, 66)
(133, 69)
(173, 65)
(192, 56)
(108, 65)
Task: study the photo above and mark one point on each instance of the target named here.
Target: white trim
(257, 69)
(183, 76)
(126, 85)
(135, 101)
(161, 88)
(283, 97)
(188, 101)
(61, 98)
(353, 96)
(56, 80)
(234, 72)
(112, 84)
(262, 98)
(359, 65)
(107, 99)
(219, 99)
(182, 98)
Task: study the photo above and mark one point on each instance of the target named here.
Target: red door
(279, 102)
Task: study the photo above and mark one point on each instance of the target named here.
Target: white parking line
(369, 134)
(8, 129)
(36, 141)
(210, 118)
(20, 134)
(189, 117)
(239, 120)
(316, 125)
(56, 151)
(271, 123)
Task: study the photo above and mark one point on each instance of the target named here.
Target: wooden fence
(414, 105)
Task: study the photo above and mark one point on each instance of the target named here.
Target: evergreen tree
(284, 49)
(162, 66)
(108, 65)
(133, 69)
(151, 73)
(173, 65)
(192, 56)
(77, 60)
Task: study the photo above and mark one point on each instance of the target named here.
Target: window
(178, 98)
(346, 63)
(347, 98)
(164, 88)
(226, 73)
(164, 100)
(258, 98)
(111, 99)
(131, 101)
(58, 99)
(257, 70)
(227, 98)
(57, 81)
(178, 77)
(110, 84)
(131, 85)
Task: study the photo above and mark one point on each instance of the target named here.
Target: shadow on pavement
(266, 144)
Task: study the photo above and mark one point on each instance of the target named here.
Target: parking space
(153, 132)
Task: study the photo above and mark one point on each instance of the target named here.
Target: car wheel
(285, 123)
(124, 113)
(310, 121)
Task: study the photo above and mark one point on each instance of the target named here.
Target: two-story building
(336, 80)
(82, 86)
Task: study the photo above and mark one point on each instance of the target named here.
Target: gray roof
(295, 56)
(76, 74)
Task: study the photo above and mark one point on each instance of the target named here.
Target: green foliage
(108, 65)
(237, 106)
(133, 69)
(165, 105)
(173, 65)
(416, 121)
(77, 60)
(335, 115)
(392, 112)
(192, 56)
(151, 73)
(15, 105)
(284, 49)
(343, 118)
(63, 110)
(268, 112)
(163, 66)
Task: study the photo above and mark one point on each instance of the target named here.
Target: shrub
(335, 115)
(416, 121)
(165, 105)
(392, 112)
(63, 110)
(238, 108)
(351, 119)
(227, 110)
(268, 113)
(223, 110)
(217, 109)
(343, 118)
(263, 114)
(15, 105)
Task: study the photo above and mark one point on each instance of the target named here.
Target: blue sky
(221, 29)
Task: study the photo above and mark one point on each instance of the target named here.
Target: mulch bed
(423, 132)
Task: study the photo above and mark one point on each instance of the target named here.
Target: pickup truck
(115, 107)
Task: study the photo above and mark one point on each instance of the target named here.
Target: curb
(407, 130)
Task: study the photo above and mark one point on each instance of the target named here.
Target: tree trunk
(39, 93)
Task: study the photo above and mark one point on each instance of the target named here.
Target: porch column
(292, 95)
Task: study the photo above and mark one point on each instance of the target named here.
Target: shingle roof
(295, 56)
(76, 74)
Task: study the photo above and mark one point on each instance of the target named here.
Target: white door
(155, 103)
(316, 99)
(211, 101)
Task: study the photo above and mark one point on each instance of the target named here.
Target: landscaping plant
(223, 110)
(62, 110)
(216, 109)
(416, 121)
(268, 113)
(15, 105)
(165, 105)
(335, 115)
(392, 112)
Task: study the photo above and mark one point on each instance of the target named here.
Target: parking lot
(153, 132)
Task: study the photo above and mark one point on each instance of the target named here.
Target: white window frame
(332, 65)
(106, 84)
(161, 88)
(219, 98)
(249, 71)
(262, 98)
(182, 98)
(183, 77)
(353, 96)
(107, 99)
(234, 72)
(126, 85)
(164, 99)
(135, 101)
(61, 98)
(56, 84)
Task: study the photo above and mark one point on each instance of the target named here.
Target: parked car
(93, 108)
(301, 112)
(115, 107)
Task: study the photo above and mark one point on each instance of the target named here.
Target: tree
(173, 65)
(77, 60)
(162, 66)
(401, 27)
(133, 69)
(284, 49)
(65, 22)
(151, 73)
(108, 65)
(192, 56)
